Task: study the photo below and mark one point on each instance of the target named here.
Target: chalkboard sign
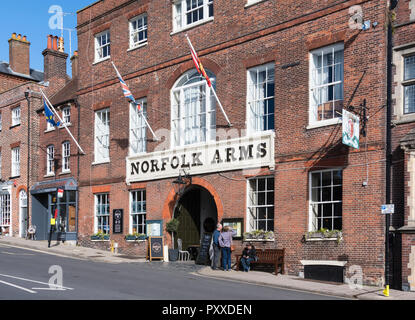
(203, 256)
(118, 215)
(155, 248)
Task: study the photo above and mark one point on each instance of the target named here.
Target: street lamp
(181, 182)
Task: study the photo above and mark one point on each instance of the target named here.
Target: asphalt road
(24, 275)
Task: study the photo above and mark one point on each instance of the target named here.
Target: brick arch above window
(207, 64)
(20, 188)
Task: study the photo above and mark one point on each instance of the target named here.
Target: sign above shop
(255, 151)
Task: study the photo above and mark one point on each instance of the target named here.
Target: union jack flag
(125, 89)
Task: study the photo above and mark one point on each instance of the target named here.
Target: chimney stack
(19, 54)
(75, 65)
(54, 59)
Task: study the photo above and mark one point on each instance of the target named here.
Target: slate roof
(35, 75)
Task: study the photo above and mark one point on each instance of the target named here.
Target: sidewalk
(68, 250)
(297, 283)
(254, 277)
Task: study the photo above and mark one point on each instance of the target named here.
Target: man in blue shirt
(216, 247)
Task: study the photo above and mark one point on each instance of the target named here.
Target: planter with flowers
(259, 235)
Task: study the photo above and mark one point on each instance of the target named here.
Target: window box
(100, 237)
(324, 234)
(259, 235)
(135, 237)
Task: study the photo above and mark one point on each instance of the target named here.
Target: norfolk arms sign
(242, 153)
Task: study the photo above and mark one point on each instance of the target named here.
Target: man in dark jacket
(248, 255)
(216, 247)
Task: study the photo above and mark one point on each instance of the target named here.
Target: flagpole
(63, 123)
(213, 89)
(142, 113)
(148, 126)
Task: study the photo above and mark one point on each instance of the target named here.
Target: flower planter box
(99, 238)
(259, 240)
(329, 236)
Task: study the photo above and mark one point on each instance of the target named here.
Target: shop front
(55, 199)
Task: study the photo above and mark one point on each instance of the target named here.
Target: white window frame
(313, 108)
(139, 30)
(312, 224)
(181, 119)
(138, 128)
(66, 157)
(99, 47)
(102, 210)
(255, 116)
(102, 136)
(16, 162)
(252, 2)
(140, 209)
(66, 115)
(6, 211)
(16, 116)
(180, 14)
(250, 196)
(50, 160)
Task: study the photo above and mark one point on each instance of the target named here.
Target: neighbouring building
(19, 130)
(402, 239)
(284, 71)
(58, 161)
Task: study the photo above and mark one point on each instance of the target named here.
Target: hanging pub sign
(117, 220)
(60, 193)
(252, 151)
(350, 129)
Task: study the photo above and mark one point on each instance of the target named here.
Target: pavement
(252, 277)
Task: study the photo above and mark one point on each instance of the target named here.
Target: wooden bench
(267, 256)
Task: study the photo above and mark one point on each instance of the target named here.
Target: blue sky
(31, 18)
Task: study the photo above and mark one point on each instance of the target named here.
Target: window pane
(410, 99)
(410, 67)
(326, 178)
(337, 193)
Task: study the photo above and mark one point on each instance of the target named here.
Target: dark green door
(188, 214)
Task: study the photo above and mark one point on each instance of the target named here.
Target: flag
(49, 116)
(126, 91)
(198, 64)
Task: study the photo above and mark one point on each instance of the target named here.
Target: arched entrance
(197, 213)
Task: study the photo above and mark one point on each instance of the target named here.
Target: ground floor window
(102, 213)
(5, 217)
(261, 204)
(326, 200)
(138, 211)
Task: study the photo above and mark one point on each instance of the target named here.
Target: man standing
(216, 247)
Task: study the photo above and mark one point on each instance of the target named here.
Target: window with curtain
(261, 103)
(326, 83)
(50, 160)
(102, 135)
(193, 110)
(138, 128)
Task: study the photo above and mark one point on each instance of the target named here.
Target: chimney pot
(19, 36)
(14, 35)
(55, 43)
(61, 47)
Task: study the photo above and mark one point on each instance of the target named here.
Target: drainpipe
(27, 95)
(78, 107)
(388, 173)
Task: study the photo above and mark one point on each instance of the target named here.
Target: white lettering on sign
(242, 153)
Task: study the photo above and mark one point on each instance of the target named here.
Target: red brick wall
(237, 39)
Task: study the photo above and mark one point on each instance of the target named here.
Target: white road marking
(34, 281)
(51, 289)
(16, 286)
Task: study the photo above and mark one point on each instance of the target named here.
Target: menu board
(155, 248)
(203, 257)
(117, 220)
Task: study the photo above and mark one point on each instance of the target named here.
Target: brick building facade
(19, 137)
(283, 74)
